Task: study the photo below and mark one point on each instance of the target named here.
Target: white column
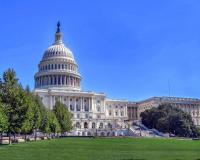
(81, 104)
(68, 103)
(89, 101)
(64, 80)
(67, 80)
(56, 79)
(92, 103)
(75, 105)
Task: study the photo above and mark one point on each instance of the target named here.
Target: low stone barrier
(44, 138)
(20, 140)
(30, 139)
(4, 141)
(38, 139)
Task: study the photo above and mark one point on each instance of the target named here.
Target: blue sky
(125, 48)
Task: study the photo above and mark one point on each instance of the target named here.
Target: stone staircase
(137, 129)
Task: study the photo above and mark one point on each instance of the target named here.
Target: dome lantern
(58, 34)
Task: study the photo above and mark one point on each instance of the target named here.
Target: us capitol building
(58, 79)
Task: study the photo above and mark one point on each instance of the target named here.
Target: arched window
(109, 125)
(85, 125)
(93, 125)
(78, 125)
(59, 80)
(78, 108)
(86, 108)
(51, 80)
(71, 107)
(101, 125)
(55, 79)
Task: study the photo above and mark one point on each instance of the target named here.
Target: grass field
(103, 149)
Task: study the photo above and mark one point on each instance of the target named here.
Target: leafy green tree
(3, 120)
(9, 93)
(28, 121)
(13, 95)
(54, 124)
(169, 119)
(63, 116)
(37, 115)
(46, 119)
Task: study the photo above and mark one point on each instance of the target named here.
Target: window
(71, 107)
(85, 125)
(110, 113)
(98, 109)
(86, 115)
(59, 80)
(59, 66)
(78, 125)
(98, 116)
(109, 125)
(101, 125)
(76, 100)
(122, 113)
(78, 108)
(93, 125)
(116, 113)
(78, 115)
(86, 108)
(55, 80)
(70, 99)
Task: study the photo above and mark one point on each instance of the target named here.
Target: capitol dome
(58, 68)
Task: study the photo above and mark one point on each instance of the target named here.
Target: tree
(169, 119)
(63, 116)
(3, 119)
(37, 115)
(45, 127)
(54, 124)
(13, 95)
(28, 113)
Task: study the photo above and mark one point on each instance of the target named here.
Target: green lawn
(103, 149)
